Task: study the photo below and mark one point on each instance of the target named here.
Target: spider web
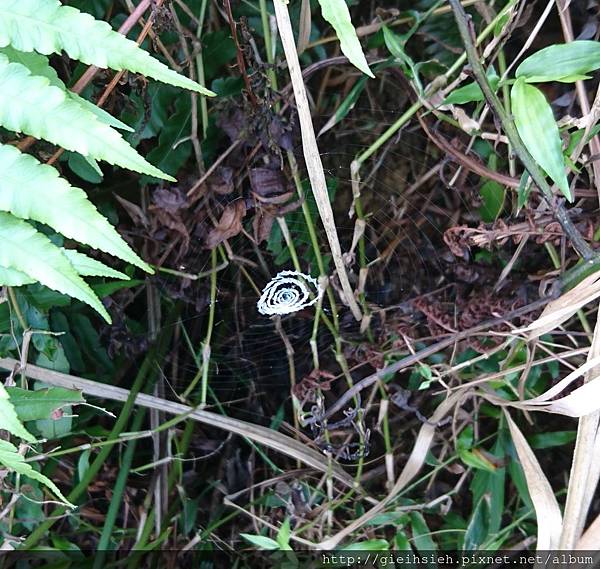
(249, 361)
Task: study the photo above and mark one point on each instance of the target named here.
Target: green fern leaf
(10, 277)
(31, 190)
(39, 65)
(13, 460)
(9, 421)
(88, 267)
(48, 27)
(84, 265)
(28, 251)
(31, 105)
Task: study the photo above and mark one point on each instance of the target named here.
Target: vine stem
(512, 134)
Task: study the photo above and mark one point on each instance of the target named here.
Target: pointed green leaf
(538, 130)
(85, 167)
(10, 457)
(337, 14)
(479, 525)
(40, 65)
(31, 105)
(395, 45)
(471, 92)
(261, 541)
(25, 249)
(31, 190)
(9, 421)
(557, 62)
(48, 27)
(345, 106)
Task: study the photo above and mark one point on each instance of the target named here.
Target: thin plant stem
(119, 487)
(13, 303)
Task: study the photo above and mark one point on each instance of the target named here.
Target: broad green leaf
(337, 14)
(42, 403)
(32, 190)
(550, 440)
(40, 65)
(557, 62)
(492, 484)
(48, 27)
(523, 190)
(283, 535)
(28, 251)
(9, 420)
(85, 167)
(31, 105)
(476, 459)
(10, 457)
(538, 130)
(422, 539)
(106, 289)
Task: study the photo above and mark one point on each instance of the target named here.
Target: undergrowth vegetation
(408, 190)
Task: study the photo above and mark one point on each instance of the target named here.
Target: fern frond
(48, 27)
(31, 105)
(26, 250)
(13, 460)
(88, 267)
(11, 277)
(84, 265)
(40, 65)
(32, 190)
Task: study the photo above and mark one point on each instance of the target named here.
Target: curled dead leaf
(229, 225)
(221, 182)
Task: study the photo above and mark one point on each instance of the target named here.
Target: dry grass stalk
(311, 152)
(547, 510)
(581, 483)
(257, 433)
(564, 307)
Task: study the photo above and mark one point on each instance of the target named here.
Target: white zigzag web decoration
(287, 292)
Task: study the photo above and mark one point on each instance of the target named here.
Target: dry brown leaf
(268, 184)
(134, 211)
(262, 225)
(221, 181)
(229, 225)
(304, 27)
